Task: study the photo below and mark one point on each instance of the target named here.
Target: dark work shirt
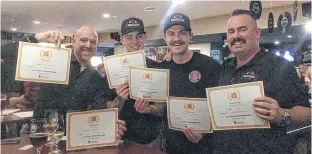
(281, 83)
(191, 80)
(141, 128)
(86, 89)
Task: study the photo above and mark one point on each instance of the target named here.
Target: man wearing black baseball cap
(190, 74)
(141, 128)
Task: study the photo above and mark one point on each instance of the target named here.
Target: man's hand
(192, 136)
(122, 91)
(51, 37)
(268, 109)
(121, 128)
(142, 106)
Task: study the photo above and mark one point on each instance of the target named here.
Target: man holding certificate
(141, 128)
(284, 102)
(86, 88)
(190, 74)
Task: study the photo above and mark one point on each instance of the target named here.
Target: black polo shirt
(86, 88)
(281, 83)
(141, 128)
(190, 80)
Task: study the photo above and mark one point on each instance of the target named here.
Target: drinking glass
(3, 102)
(58, 135)
(52, 124)
(37, 135)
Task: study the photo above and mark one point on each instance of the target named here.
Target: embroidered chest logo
(249, 75)
(195, 76)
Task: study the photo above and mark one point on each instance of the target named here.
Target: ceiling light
(148, 9)
(13, 29)
(289, 36)
(114, 16)
(276, 42)
(105, 15)
(36, 22)
(308, 26)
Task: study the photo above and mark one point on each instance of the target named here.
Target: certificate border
(153, 70)
(69, 147)
(210, 130)
(215, 127)
(19, 59)
(111, 86)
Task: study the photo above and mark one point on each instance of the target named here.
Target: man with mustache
(141, 128)
(285, 101)
(190, 74)
(86, 88)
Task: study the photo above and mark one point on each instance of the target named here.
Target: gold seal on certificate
(189, 112)
(45, 64)
(231, 106)
(90, 129)
(148, 83)
(117, 66)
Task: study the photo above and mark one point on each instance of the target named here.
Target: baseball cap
(132, 24)
(178, 19)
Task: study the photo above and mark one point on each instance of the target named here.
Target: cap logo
(133, 23)
(176, 18)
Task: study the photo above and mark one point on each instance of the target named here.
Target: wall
(203, 47)
(217, 24)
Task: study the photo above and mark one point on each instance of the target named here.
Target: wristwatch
(286, 120)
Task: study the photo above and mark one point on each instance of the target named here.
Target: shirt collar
(75, 60)
(254, 60)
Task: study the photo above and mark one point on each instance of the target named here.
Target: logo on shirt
(194, 76)
(147, 76)
(93, 118)
(233, 96)
(189, 106)
(249, 75)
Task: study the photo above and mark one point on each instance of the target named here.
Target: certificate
(148, 83)
(189, 112)
(117, 66)
(90, 129)
(231, 106)
(45, 64)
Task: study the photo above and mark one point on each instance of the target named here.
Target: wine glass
(58, 135)
(37, 135)
(3, 101)
(52, 123)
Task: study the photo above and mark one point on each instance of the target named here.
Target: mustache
(177, 42)
(238, 39)
(86, 49)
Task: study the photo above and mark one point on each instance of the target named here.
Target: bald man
(86, 88)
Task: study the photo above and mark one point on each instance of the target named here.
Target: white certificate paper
(189, 112)
(231, 106)
(117, 66)
(148, 83)
(45, 64)
(90, 129)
